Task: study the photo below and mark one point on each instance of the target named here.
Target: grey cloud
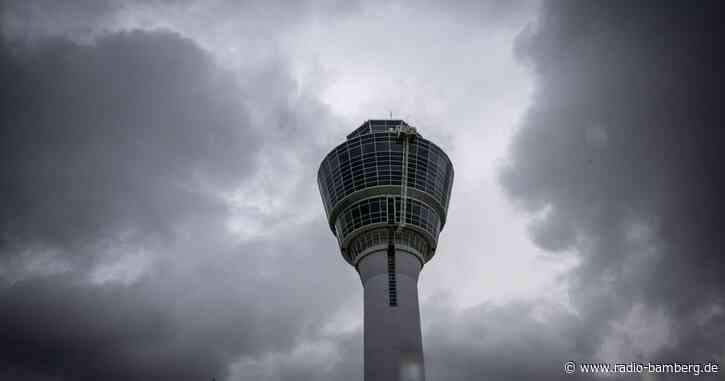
(622, 147)
(487, 14)
(617, 162)
(553, 236)
(128, 145)
(185, 321)
(503, 342)
(132, 140)
(117, 136)
(47, 17)
(84, 20)
(54, 327)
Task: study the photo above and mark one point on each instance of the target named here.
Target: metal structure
(386, 191)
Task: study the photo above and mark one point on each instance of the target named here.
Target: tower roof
(377, 125)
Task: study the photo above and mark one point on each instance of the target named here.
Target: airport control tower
(386, 191)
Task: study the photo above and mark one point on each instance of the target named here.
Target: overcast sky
(160, 219)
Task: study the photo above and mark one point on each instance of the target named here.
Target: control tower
(386, 191)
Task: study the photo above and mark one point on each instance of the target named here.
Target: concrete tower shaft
(386, 192)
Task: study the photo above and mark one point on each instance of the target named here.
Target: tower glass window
(375, 163)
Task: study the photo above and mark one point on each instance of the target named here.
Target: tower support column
(392, 335)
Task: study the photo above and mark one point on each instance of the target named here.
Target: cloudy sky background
(159, 217)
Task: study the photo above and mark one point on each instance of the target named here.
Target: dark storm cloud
(46, 333)
(126, 148)
(131, 143)
(183, 322)
(620, 155)
(99, 141)
(618, 161)
(117, 136)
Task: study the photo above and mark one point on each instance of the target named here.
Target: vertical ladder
(405, 134)
(392, 281)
